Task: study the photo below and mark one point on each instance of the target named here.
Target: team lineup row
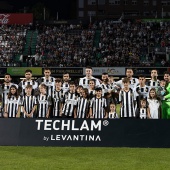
(51, 97)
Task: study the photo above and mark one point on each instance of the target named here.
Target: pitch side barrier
(82, 132)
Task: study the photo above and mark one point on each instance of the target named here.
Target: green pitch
(83, 158)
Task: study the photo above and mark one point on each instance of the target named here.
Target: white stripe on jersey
(58, 100)
(65, 87)
(28, 103)
(5, 91)
(127, 102)
(98, 106)
(113, 115)
(142, 91)
(105, 88)
(82, 107)
(12, 105)
(70, 101)
(153, 84)
(43, 105)
(143, 113)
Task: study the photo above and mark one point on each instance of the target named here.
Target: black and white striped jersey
(43, 103)
(22, 85)
(70, 102)
(98, 106)
(113, 115)
(50, 83)
(105, 88)
(65, 86)
(91, 93)
(28, 103)
(143, 92)
(57, 98)
(143, 113)
(5, 91)
(127, 100)
(82, 107)
(85, 82)
(12, 104)
(153, 84)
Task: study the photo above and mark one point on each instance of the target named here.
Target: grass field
(77, 158)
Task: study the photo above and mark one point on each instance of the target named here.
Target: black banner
(79, 132)
(73, 71)
(3, 71)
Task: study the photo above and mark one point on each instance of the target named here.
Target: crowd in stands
(120, 44)
(12, 41)
(103, 43)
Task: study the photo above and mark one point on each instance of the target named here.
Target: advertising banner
(20, 71)
(16, 18)
(85, 132)
(74, 71)
(147, 70)
(115, 71)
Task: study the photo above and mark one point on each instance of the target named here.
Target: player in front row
(98, 105)
(127, 100)
(12, 103)
(29, 103)
(43, 102)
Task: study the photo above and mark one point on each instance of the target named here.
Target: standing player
(127, 100)
(153, 105)
(106, 88)
(70, 101)
(65, 84)
(48, 81)
(91, 88)
(98, 105)
(142, 90)
(12, 103)
(5, 87)
(43, 102)
(85, 80)
(29, 103)
(57, 99)
(28, 81)
(83, 102)
(112, 112)
(166, 76)
(154, 82)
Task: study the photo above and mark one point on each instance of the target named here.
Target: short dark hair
(166, 72)
(58, 80)
(98, 88)
(47, 68)
(141, 75)
(28, 70)
(88, 67)
(7, 74)
(72, 83)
